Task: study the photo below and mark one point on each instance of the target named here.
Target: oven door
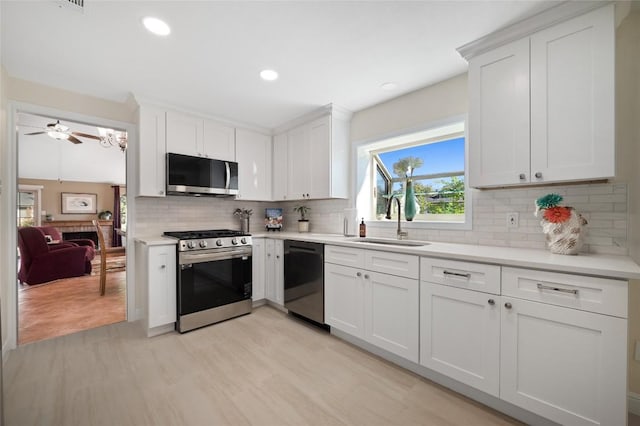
(211, 278)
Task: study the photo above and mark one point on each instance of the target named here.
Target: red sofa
(56, 236)
(41, 262)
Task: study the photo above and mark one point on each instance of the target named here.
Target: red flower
(557, 214)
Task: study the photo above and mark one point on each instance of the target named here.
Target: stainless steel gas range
(214, 276)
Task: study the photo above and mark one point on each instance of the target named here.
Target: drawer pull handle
(508, 305)
(561, 290)
(491, 302)
(358, 274)
(456, 274)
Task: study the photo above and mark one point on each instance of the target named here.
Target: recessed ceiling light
(156, 26)
(389, 86)
(268, 75)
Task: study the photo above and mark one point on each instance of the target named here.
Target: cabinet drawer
(403, 265)
(346, 256)
(601, 295)
(469, 275)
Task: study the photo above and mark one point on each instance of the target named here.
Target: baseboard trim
(633, 403)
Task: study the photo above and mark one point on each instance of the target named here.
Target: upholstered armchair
(56, 236)
(41, 263)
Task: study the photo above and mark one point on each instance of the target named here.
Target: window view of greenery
(437, 172)
(123, 212)
(26, 206)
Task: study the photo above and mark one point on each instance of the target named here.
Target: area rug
(114, 263)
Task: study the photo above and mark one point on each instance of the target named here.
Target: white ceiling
(325, 52)
(41, 157)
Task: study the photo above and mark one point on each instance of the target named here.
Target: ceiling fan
(59, 132)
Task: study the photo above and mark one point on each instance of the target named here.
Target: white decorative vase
(565, 237)
(303, 226)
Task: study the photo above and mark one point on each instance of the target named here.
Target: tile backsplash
(603, 205)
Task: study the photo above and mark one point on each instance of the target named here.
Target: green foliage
(404, 167)
(303, 210)
(448, 200)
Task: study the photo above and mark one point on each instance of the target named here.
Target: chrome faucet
(399, 233)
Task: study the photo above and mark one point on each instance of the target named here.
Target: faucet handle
(402, 235)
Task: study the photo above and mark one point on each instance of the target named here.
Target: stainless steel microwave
(189, 175)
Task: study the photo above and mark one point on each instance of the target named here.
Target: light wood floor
(69, 305)
(265, 368)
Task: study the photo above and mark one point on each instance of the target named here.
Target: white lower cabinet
(274, 270)
(258, 269)
(344, 299)
(460, 335)
(157, 276)
(563, 364)
(382, 309)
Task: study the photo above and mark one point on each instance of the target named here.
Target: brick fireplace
(72, 228)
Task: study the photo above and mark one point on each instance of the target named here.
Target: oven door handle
(211, 257)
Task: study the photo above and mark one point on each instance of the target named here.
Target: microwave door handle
(228, 179)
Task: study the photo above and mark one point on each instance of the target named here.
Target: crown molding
(526, 27)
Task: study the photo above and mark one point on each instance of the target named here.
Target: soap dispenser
(363, 229)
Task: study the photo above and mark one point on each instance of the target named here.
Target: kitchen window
(434, 159)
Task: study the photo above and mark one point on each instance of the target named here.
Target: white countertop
(609, 266)
(155, 240)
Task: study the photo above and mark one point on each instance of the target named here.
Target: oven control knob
(219, 243)
(191, 244)
(203, 244)
(243, 240)
(234, 241)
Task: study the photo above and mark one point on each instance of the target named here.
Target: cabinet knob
(358, 274)
(366, 276)
(163, 266)
(538, 175)
(508, 305)
(491, 302)
(522, 176)
(268, 254)
(277, 256)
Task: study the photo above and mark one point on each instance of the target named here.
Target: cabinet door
(320, 158)
(344, 299)
(460, 335)
(563, 364)
(299, 167)
(162, 285)
(275, 270)
(572, 99)
(184, 134)
(280, 161)
(499, 116)
(151, 152)
(218, 141)
(253, 153)
(258, 269)
(391, 312)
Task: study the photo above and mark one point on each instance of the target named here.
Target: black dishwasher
(304, 279)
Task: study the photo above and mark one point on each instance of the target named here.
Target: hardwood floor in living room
(70, 305)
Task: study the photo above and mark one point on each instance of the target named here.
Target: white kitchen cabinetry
(280, 185)
(151, 151)
(274, 266)
(561, 361)
(380, 308)
(157, 276)
(542, 108)
(253, 154)
(258, 269)
(192, 135)
(317, 161)
(460, 321)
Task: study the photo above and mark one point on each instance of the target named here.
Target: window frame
(366, 166)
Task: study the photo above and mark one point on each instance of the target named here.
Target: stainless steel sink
(390, 242)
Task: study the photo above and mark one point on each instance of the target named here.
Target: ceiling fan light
(58, 135)
(156, 26)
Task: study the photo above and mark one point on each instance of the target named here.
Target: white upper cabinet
(192, 135)
(151, 151)
(253, 154)
(542, 107)
(280, 181)
(317, 160)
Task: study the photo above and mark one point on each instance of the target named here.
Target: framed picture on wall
(79, 203)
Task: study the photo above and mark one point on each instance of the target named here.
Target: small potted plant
(303, 222)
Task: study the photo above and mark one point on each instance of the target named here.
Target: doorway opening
(79, 170)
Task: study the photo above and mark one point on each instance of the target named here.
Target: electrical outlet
(512, 220)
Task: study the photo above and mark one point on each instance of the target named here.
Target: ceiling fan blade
(73, 139)
(86, 135)
(35, 133)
